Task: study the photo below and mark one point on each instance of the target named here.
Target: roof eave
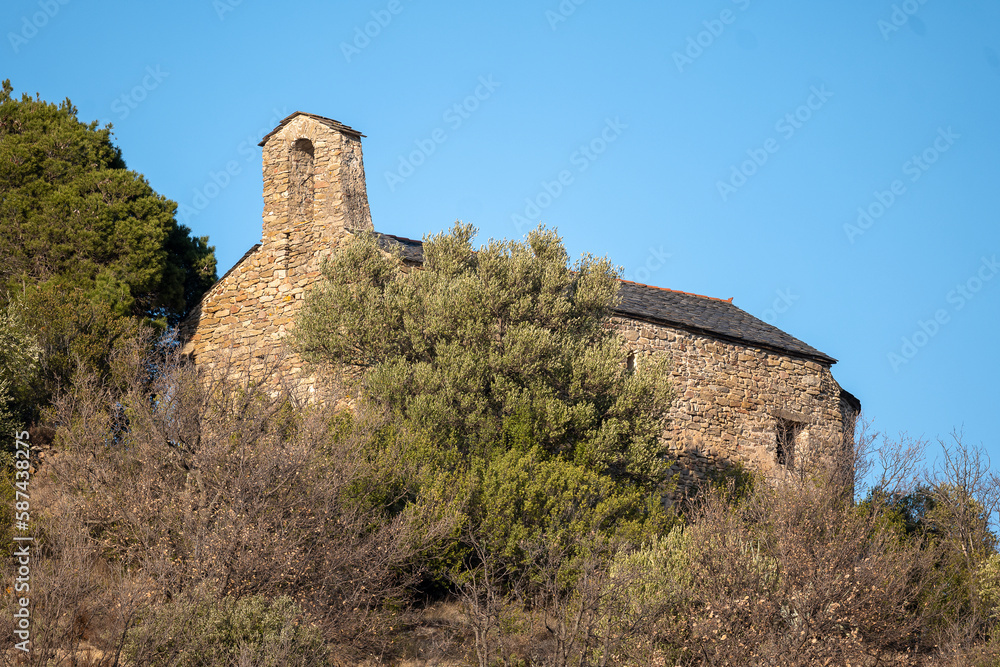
(820, 358)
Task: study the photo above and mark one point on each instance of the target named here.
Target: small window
(630, 362)
(786, 433)
(285, 249)
(301, 181)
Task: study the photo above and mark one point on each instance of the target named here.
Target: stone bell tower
(314, 197)
(314, 189)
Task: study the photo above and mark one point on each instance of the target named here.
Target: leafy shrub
(989, 589)
(198, 628)
(508, 393)
(525, 499)
(19, 357)
(664, 559)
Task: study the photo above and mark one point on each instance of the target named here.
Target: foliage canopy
(72, 217)
(500, 371)
(484, 351)
(90, 250)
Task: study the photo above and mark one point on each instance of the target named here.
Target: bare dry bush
(578, 604)
(174, 492)
(960, 498)
(492, 595)
(187, 479)
(799, 574)
(591, 611)
(80, 607)
(766, 572)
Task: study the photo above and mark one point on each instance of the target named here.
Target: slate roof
(691, 312)
(409, 250)
(703, 314)
(682, 310)
(329, 122)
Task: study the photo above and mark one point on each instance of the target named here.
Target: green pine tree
(73, 217)
(90, 250)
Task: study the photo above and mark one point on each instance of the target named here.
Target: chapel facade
(744, 391)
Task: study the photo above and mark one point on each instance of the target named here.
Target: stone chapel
(744, 391)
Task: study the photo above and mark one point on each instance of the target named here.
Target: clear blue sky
(831, 166)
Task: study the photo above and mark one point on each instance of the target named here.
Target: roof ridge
(400, 238)
(329, 122)
(676, 291)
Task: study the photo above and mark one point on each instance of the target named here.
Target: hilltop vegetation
(90, 250)
(494, 496)
(501, 382)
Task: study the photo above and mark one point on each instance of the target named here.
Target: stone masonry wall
(733, 402)
(340, 200)
(242, 322)
(730, 399)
